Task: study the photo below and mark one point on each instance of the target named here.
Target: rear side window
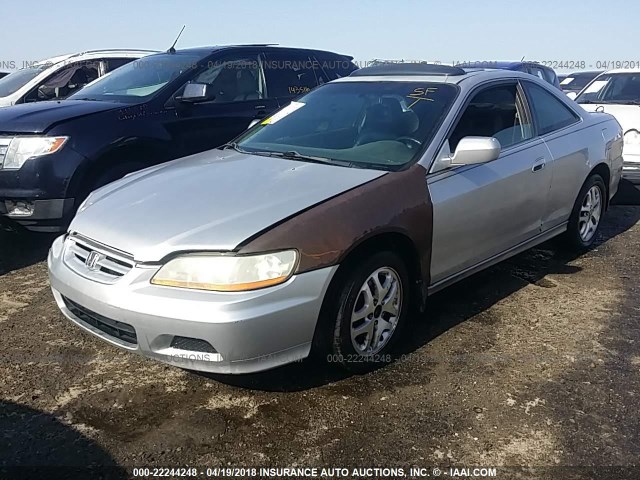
(550, 113)
(291, 74)
(336, 66)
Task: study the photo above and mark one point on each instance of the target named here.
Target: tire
(349, 302)
(586, 216)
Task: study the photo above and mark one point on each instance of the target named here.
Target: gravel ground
(531, 363)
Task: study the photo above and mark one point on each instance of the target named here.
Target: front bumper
(248, 331)
(44, 183)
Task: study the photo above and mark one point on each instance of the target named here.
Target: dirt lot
(531, 363)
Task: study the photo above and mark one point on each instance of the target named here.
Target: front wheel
(587, 212)
(369, 312)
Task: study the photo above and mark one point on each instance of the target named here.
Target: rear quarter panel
(576, 151)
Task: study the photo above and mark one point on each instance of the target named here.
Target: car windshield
(381, 125)
(577, 81)
(139, 79)
(16, 80)
(621, 88)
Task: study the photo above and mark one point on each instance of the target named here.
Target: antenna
(173, 47)
(523, 58)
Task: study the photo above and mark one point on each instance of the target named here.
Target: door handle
(539, 164)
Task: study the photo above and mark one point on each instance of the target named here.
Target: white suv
(618, 92)
(58, 77)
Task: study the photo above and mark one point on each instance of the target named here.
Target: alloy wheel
(376, 311)
(590, 213)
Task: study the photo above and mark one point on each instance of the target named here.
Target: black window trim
(532, 107)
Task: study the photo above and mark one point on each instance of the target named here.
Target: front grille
(112, 328)
(98, 262)
(192, 345)
(4, 146)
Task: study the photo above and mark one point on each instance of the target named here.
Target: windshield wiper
(293, 155)
(232, 145)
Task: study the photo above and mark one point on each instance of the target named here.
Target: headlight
(227, 273)
(632, 137)
(22, 149)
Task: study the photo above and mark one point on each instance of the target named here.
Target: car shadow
(448, 308)
(23, 249)
(35, 444)
(628, 194)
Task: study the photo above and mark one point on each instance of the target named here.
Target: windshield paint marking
(421, 93)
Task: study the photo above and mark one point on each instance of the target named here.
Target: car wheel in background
(368, 312)
(586, 215)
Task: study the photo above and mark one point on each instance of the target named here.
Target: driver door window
(495, 112)
(66, 81)
(234, 80)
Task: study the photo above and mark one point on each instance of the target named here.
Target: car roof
(94, 53)
(624, 70)
(501, 65)
(207, 50)
(400, 76)
(583, 72)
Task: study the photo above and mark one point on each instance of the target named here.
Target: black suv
(158, 108)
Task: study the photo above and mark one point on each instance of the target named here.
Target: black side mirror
(196, 93)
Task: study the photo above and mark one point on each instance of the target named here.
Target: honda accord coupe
(325, 226)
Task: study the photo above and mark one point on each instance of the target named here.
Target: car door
(481, 211)
(553, 119)
(237, 82)
(291, 73)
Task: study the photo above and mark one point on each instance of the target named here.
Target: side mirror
(472, 150)
(572, 95)
(253, 123)
(196, 93)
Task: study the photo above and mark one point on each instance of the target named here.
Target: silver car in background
(321, 228)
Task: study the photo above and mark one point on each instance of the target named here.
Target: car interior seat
(247, 86)
(387, 120)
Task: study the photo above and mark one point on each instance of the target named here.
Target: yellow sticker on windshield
(288, 110)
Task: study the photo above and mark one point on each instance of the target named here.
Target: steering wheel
(410, 142)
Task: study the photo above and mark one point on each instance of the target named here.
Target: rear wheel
(587, 212)
(369, 312)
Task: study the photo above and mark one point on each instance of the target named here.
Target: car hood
(39, 117)
(211, 201)
(628, 116)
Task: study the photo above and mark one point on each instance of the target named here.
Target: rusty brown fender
(325, 233)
